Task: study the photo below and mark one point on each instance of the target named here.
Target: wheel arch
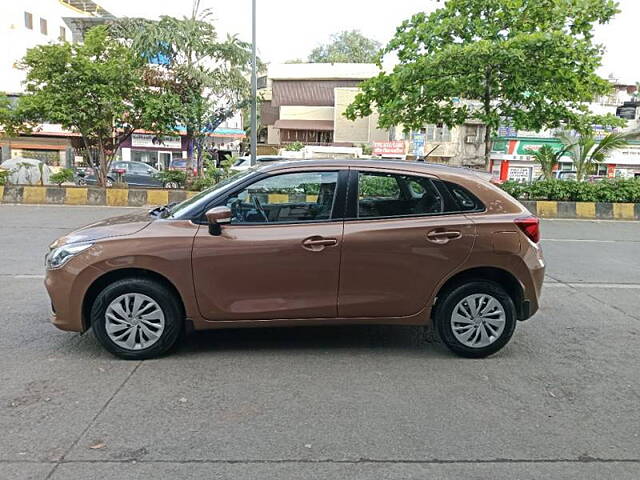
(114, 275)
(500, 276)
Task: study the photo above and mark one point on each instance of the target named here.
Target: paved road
(562, 401)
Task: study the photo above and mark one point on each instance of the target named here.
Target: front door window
(287, 198)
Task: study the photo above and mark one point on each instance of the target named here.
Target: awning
(325, 125)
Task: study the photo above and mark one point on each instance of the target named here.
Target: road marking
(620, 286)
(21, 276)
(585, 240)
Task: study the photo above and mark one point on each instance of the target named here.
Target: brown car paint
(384, 271)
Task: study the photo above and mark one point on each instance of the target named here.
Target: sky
(289, 29)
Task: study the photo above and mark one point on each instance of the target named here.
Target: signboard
(153, 141)
(418, 144)
(520, 174)
(395, 148)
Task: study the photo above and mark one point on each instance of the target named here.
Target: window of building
(28, 20)
(63, 34)
(438, 133)
(288, 198)
(43, 26)
(386, 195)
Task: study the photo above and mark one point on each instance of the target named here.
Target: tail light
(119, 171)
(530, 226)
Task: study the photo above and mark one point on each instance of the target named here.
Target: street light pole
(254, 89)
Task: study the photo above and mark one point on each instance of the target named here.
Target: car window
(287, 198)
(383, 195)
(465, 200)
(139, 168)
(119, 166)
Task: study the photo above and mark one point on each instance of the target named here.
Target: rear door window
(383, 195)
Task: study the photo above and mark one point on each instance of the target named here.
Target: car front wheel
(475, 319)
(137, 318)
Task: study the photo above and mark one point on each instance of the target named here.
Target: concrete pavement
(560, 402)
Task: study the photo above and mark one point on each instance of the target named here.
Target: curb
(112, 197)
(583, 210)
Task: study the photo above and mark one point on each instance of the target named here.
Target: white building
(28, 23)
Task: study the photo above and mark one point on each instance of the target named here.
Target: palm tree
(548, 159)
(588, 152)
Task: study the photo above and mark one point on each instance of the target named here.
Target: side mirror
(217, 216)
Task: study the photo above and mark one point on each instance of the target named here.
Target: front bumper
(66, 299)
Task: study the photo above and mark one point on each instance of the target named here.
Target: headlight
(61, 255)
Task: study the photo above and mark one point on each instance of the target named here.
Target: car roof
(418, 167)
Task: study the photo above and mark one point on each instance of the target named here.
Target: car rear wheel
(136, 319)
(475, 319)
(171, 185)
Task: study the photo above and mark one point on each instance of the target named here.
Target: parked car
(243, 163)
(134, 174)
(180, 164)
(326, 242)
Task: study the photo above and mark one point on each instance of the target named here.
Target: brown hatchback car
(321, 242)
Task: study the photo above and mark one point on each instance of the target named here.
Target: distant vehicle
(135, 174)
(243, 163)
(180, 164)
(26, 171)
(562, 175)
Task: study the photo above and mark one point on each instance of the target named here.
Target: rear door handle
(443, 236)
(317, 243)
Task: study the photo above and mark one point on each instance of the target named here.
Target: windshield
(180, 207)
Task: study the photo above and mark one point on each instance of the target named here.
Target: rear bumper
(535, 263)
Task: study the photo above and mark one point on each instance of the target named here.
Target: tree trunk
(190, 146)
(487, 148)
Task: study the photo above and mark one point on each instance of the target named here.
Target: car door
(140, 174)
(398, 244)
(279, 258)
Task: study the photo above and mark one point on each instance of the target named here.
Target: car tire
(171, 185)
(108, 183)
(137, 335)
(475, 319)
(81, 182)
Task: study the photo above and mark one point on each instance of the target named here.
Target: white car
(243, 163)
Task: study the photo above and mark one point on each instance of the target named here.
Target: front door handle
(443, 236)
(317, 243)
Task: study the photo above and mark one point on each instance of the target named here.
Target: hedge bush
(608, 191)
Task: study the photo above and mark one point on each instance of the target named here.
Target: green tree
(548, 159)
(96, 89)
(209, 75)
(532, 62)
(587, 151)
(346, 47)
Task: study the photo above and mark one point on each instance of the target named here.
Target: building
(24, 25)
(306, 103)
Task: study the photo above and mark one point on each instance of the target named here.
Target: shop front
(511, 159)
(154, 150)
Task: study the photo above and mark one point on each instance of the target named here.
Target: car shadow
(408, 339)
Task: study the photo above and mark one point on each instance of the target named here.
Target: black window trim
(337, 213)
